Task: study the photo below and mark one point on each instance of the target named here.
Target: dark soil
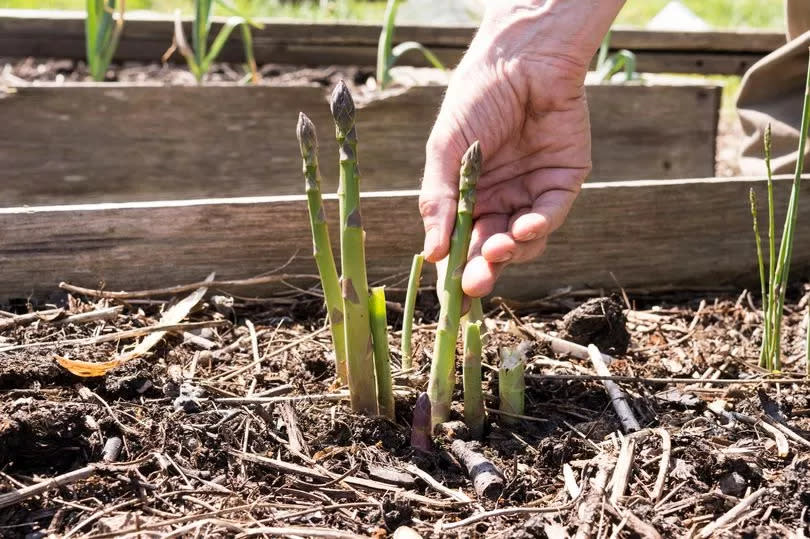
(193, 462)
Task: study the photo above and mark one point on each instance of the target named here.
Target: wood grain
(145, 39)
(85, 143)
(689, 233)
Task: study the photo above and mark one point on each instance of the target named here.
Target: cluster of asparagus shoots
(774, 284)
(357, 315)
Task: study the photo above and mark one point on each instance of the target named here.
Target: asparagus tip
(342, 106)
(471, 162)
(307, 138)
(420, 428)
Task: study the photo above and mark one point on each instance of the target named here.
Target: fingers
(438, 198)
(480, 275)
(500, 239)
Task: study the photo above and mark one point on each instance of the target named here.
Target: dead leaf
(175, 315)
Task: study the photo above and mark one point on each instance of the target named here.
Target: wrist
(560, 28)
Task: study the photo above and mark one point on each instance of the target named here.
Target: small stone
(599, 321)
(733, 484)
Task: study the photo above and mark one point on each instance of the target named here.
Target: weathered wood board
(689, 233)
(89, 143)
(36, 33)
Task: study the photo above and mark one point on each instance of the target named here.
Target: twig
(518, 416)
(274, 353)
(558, 345)
(508, 512)
(732, 515)
(663, 470)
(427, 478)
(118, 336)
(593, 500)
(617, 397)
(644, 530)
(27, 318)
(782, 446)
(91, 316)
(570, 481)
(787, 431)
(172, 290)
(656, 381)
(16, 496)
(328, 533)
(486, 477)
(623, 469)
(289, 467)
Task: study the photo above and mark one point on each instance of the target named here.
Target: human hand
(520, 91)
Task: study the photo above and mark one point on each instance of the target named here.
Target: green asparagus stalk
(511, 384)
(322, 248)
(476, 314)
(360, 360)
(410, 305)
(440, 386)
(767, 300)
(473, 398)
(752, 197)
(382, 357)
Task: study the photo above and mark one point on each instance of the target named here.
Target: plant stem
(476, 314)
(360, 361)
(442, 371)
(322, 247)
(407, 315)
(752, 197)
(382, 357)
(779, 287)
(473, 398)
(767, 301)
(511, 384)
(384, 44)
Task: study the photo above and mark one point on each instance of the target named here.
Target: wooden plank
(85, 143)
(61, 34)
(683, 233)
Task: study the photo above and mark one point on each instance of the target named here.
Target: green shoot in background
(102, 26)
(200, 55)
(387, 55)
(773, 300)
(607, 66)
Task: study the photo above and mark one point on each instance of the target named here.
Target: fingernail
(529, 237)
(506, 257)
(431, 242)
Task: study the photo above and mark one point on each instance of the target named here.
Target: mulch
(232, 425)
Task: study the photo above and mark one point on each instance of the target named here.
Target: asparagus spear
(440, 387)
(322, 248)
(407, 316)
(473, 399)
(511, 384)
(382, 357)
(360, 361)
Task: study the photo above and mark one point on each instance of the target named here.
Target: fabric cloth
(772, 92)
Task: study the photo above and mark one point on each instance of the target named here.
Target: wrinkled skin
(520, 91)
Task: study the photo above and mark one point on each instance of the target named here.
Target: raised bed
(118, 143)
(37, 33)
(641, 234)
